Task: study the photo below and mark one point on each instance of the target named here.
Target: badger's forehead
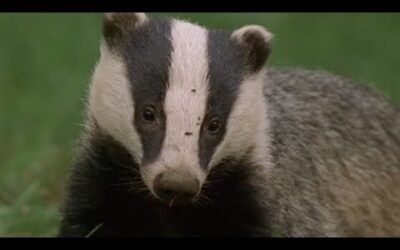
(164, 53)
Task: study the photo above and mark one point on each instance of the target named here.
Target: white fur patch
(247, 125)
(185, 102)
(111, 103)
(138, 16)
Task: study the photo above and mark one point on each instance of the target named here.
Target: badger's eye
(214, 126)
(148, 114)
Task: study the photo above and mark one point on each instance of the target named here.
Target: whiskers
(202, 201)
(211, 187)
(132, 182)
(207, 195)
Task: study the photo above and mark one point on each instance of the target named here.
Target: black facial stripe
(148, 54)
(226, 63)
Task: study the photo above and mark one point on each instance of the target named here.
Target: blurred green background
(46, 62)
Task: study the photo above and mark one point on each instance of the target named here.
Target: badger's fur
(188, 135)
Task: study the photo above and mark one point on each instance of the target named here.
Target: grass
(47, 59)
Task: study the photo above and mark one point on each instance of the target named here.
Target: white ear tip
(140, 16)
(108, 16)
(248, 29)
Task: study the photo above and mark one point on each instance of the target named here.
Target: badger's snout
(176, 187)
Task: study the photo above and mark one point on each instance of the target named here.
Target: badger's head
(180, 98)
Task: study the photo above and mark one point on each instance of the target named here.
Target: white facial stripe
(111, 103)
(247, 124)
(185, 100)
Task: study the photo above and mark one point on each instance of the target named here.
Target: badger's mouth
(174, 187)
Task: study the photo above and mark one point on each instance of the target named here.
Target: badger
(187, 134)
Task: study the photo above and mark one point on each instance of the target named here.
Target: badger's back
(336, 150)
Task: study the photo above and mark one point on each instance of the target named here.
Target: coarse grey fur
(336, 151)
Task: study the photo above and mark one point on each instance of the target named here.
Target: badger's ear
(256, 41)
(116, 25)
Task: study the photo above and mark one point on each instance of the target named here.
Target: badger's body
(336, 151)
(293, 152)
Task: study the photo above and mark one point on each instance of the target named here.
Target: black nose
(176, 187)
